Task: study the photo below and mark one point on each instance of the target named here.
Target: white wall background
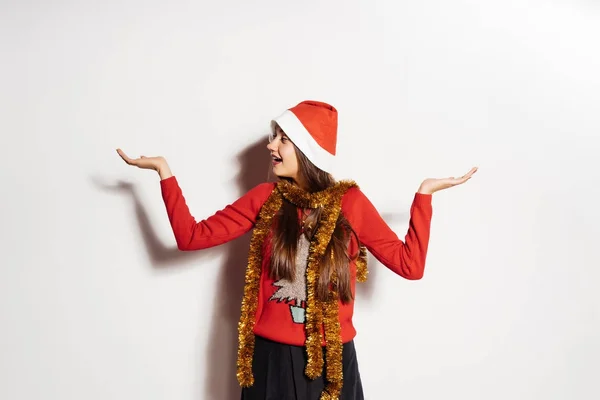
(97, 303)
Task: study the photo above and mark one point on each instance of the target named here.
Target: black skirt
(279, 374)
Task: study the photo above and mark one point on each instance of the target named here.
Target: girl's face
(283, 152)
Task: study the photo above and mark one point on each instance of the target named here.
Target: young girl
(308, 249)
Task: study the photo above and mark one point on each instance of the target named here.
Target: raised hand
(158, 164)
(432, 185)
(143, 162)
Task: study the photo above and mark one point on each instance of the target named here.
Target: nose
(271, 146)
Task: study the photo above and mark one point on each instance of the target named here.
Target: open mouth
(276, 160)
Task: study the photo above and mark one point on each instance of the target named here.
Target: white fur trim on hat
(298, 133)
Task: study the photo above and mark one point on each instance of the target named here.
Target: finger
(463, 179)
(122, 154)
(468, 175)
(125, 157)
(471, 171)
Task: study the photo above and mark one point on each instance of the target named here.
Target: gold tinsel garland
(314, 308)
(334, 369)
(250, 299)
(317, 311)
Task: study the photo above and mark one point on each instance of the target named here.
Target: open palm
(143, 162)
(432, 185)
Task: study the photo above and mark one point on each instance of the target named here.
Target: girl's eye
(283, 139)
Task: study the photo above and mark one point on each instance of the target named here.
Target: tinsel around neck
(301, 198)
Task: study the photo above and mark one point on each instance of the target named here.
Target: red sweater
(282, 321)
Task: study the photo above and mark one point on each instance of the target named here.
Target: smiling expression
(283, 153)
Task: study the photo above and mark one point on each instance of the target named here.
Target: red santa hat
(312, 126)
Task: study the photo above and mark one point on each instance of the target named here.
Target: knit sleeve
(227, 224)
(404, 257)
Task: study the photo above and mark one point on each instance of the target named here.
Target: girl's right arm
(225, 225)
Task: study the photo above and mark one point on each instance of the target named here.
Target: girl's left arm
(404, 257)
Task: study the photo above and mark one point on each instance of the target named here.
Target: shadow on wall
(220, 361)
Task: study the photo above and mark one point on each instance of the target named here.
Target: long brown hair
(287, 231)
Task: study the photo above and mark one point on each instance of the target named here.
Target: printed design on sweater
(293, 292)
